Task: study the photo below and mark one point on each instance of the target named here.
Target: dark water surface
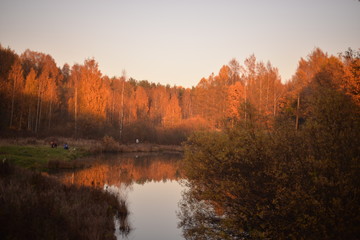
(148, 182)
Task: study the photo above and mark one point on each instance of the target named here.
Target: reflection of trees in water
(116, 174)
(204, 219)
(121, 219)
(197, 218)
(125, 170)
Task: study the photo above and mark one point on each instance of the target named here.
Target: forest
(39, 98)
(264, 159)
(291, 173)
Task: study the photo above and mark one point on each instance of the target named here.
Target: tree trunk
(37, 110)
(50, 110)
(245, 93)
(297, 113)
(20, 121)
(75, 110)
(40, 112)
(274, 98)
(12, 104)
(267, 94)
(29, 118)
(260, 95)
(121, 117)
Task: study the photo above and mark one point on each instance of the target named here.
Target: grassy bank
(34, 206)
(40, 156)
(37, 153)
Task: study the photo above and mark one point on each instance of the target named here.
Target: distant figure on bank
(53, 144)
(66, 147)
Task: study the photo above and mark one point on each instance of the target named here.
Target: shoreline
(148, 147)
(38, 154)
(92, 146)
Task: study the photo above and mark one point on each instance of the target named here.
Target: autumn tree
(235, 99)
(51, 93)
(234, 71)
(30, 92)
(16, 87)
(64, 91)
(351, 60)
(201, 99)
(252, 183)
(46, 81)
(92, 91)
(210, 97)
(142, 103)
(7, 60)
(73, 99)
(88, 102)
(304, 74)
(158, 101)
(172, 116)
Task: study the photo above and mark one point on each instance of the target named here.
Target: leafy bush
(277, 183)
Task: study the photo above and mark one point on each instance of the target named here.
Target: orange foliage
(125, 170)
(37, 96)
(235, 98)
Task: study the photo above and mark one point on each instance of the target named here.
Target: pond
(150, 184)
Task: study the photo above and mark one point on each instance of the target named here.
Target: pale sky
(178, 42)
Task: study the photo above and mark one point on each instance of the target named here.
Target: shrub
(109, 144)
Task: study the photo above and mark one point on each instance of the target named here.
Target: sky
(177, 42)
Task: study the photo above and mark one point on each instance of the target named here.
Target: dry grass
(33, 206)
(107, 144)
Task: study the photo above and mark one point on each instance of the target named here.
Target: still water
(150, 183)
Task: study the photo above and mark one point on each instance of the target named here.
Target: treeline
(296, 177)
(37, 97)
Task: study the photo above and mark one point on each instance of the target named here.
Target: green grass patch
(38, 156)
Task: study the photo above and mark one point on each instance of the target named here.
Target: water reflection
(149, 185)
(202, 219)
(125, 169)
(122, 226)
